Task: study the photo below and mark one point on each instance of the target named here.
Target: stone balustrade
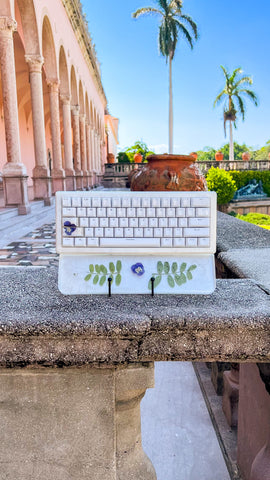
(74, 369)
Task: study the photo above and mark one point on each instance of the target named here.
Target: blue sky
(234, 33)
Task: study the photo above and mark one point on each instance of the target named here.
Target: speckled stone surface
(235, 234)
(41, 326)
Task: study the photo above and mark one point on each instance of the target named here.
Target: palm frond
(192, 24)
(185, 33)
(252, 95)
(241, 106)
(219, 97)
(146, 11)
(245, 79)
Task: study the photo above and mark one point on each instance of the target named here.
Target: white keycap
(69, 212)
(178, 242)
(191, 242)
(203, 242)
(92, 242)
(182, 222)
(123, 222)
(104, 222)
(113, 222)
(175, 202)
(155, 202)
(101, 212)
(141, 212)
(121, 212)
(136, 202)
(185, 202)
(166, 242)
(145, 202)
(128, 232)
(80, 242)
(66, 202)
(91, 212)
(93, 222)
(119, 232)
(178, 232)
(86, 202)
(78, 232)
(76, 202)
(108, 232)
(111, 212)
(133, 222)
(89, 232)
(138, 232)
(106, 202)
(126, 202)
(96, 202)
(143, 222)
(83, 222)
(131, 212)
(73, 220)
(199, 222)
(162, 222)
(190, 212)
(130, 242)
(158, 232)
(160, 212)
(116, 202)
(153, 222)
(81, 212)
(99, 232)
(172, 222)
(200, 202)
(168, 232)
(180, 212)
(165, 202)
(151, 212)
(148, 232)
(68, 242)
(202, 212)
(170, 212)
(196, 232)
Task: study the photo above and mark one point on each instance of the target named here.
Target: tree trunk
(170, 108)
(231, 157)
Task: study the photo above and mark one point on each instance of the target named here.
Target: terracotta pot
(194, 154)
(169, 172)
(110, 158)
(219, 156)
(246, 156)
(138, 158)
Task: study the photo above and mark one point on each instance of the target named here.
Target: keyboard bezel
(75, 250)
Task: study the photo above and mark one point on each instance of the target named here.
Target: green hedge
(242, 178)
(255, 218)
(221, 182)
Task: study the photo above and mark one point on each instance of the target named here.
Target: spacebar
(130, 242)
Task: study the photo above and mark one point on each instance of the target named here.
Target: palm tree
(236, 87)
(172, 24)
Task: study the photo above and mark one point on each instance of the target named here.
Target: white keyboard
(114, 222)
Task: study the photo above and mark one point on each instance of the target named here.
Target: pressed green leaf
(166, 267)
(102, 280)
(97, 268)
(159, 267)
(183, 267)
(192, 267)
(111, 267)
(171, 281)
(88, 277)
(103, 269)
(189, 275)
(118, 266)
(96, 278)
(118, 279)
(91, 268)
(174, 267)
(180, 279)
(157, 280)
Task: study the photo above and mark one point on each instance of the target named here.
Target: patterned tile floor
(36, 248)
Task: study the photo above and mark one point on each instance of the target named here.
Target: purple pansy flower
(69, 228)
(138, 268)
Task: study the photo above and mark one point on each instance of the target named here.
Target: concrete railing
(235, 165)
(74, 369)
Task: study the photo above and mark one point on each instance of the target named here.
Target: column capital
(35, 62)
(7, 25)
(65, 99)
(53, 85)
(75, 109)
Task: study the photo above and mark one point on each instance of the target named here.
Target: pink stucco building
(52, 102)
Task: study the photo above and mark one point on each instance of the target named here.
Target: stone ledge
(40, 326)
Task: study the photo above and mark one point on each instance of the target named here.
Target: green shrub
(255, 218)
(242, 178)
(220, 181)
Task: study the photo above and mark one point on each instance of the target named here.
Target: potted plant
(219, 156)
(138, 158)
(246, 156)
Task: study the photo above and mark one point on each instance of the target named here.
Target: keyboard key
(178, 232)
(86, 202)
(170, 212)
(91, 212)
(180, 212)
(190, 212)
(116, 202)
(98, 232)
(126, 202)
(200, 202)
(113, 222)
(89, 232)
(119, 232)
(168, 232)
(76, 201)
(108, 232)
(93, 222)
(166, 202)
(148, 232)
(133, 222)
(123, 222)
(104, 222)
(130, 242)
(178, 242)
(136, 202)
(172, 222)
(199, 222)
(81, 212)
(69, 212)
(68, 242)
(202, 212)
(131, 212)
(191, 242)
(182, 222)
(106, 202)
(111, 212)
(66, 202)
(153, 222)
(96, 202)
(158, 232)
(203, 242)
(128, 232)
(145, 202)
(141, 212)
(138, 232)
(120, 212)
(92, 242)
(166, 242)
(151, 212)
(143, 222)
(185, 202)
(80, 242)
(162, 222)
(196, 232)
(83, 222)
(155, 202)
(175, 202)
(160, 212)
(101, 212)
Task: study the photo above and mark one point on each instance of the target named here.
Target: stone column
(88, 153)
(92, 136)
(69, 170)
(14, 171)
(75, 109)
(230, 396)
(74, 423)
(41, 175)
(58, 173)
(83, 150)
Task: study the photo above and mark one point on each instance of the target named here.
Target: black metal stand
(152, 284)
(109, 286)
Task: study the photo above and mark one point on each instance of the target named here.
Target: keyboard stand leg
(152, 283)
(109, 287)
